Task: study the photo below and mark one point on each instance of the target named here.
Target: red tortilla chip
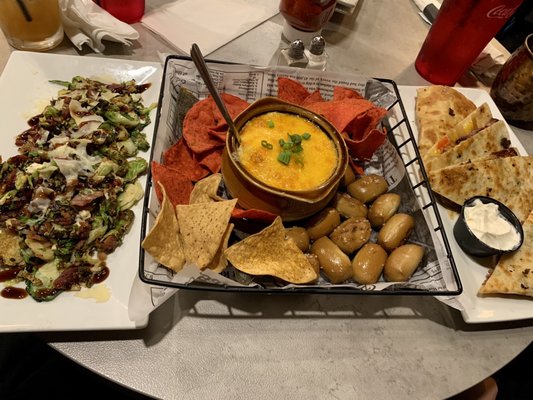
(291, 91)
(364, 148)
(360, 127)
(356, 119)
(253, 214)
(181, 158)
(314, 97)
(341, 112)
(178, 187)
(341, 93)
(204, 128)
(196, 125)
(212, 161)
(235, 105)
(219, 132)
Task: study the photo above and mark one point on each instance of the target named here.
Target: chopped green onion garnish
(270, 124)
(284, 157)
(295, 139)
(264, 143)
(306, 136)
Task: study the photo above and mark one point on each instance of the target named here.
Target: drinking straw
(24, 10)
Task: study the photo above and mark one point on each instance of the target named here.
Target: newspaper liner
(252, 83)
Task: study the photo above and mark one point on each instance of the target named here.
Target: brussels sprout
(130, 196)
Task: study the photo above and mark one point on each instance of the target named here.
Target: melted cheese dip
(489, 226)
(306, 169)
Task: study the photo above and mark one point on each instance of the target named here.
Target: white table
(222, 345)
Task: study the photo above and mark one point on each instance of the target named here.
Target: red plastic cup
(128, 11)
(460, 32)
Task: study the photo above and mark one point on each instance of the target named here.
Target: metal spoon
(201, 66)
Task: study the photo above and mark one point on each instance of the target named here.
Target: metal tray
(180, 72)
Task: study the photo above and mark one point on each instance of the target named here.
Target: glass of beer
(512, 89)
(31, 24)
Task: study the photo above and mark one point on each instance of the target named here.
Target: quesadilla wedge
(438, 109)
(477, 120)
(491, 139)
(514, 272)
(508, 179)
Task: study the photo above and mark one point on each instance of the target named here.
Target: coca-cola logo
(501, 12)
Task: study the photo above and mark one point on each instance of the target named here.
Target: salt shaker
(294, 55)
(317, 54)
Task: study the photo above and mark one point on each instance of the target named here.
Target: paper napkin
(85, 22)
(209, 23)
(487, 65)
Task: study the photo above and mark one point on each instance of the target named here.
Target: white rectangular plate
(24, 91)
(477, 309)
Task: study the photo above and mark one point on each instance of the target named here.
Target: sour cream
(490, 226)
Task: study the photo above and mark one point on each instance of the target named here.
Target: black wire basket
(437, 277)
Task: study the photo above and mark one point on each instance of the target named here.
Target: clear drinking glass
(31, 24)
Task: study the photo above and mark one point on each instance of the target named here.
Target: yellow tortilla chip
(220, 262)
(163, 241)
(269, 252)
(202, 227)
(205, 190)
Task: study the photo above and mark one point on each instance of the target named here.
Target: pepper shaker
(294, 55)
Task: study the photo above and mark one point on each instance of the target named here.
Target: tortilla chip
(198, 121)
(291, 91)
(204, 127)
(205, 191)
(212, 161)
(220, 262)
(180, 157)
(341, 93)
(163, 241)
(364, 149)
(178, 187)
(314, 97)
(235, 105)
(269, 252)
(253, 214)
(356, 119)
(202, 227)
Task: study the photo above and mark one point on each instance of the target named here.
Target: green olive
(351, 234)
(367, 188)
(348, 207)
(395, 231)
(402, 262)
(368, 263)
(323, 223)
(299, 236)
(384, 207)
(335, 264)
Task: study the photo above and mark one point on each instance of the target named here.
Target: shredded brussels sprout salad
(66, 198)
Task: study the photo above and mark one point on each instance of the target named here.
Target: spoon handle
(201, 66)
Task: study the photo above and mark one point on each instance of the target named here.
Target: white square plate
(476, 309)
(24, 91)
